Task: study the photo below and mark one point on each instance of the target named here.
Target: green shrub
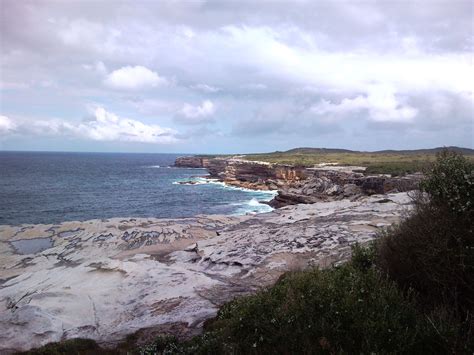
(344, 309)
(363, 258)
(68, 347)
(397, 168)
(432, 251)
(450, 182)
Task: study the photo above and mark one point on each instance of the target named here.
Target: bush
(68, 347)
(345, 309)
(432, 251)
(450, 182)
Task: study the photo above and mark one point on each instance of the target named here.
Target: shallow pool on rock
(32, 246)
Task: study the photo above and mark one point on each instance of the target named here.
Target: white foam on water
(203, 181)
(252, 206)
(253, 202)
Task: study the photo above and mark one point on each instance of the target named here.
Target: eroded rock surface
(248, 174)
(297, 184)
(331, 184)
(105, 279)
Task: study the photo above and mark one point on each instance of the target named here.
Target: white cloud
(254, 86)
(98, 67)
(133, 78)
(106, 126)
(100, 126)
(6, 125)
(205, 88)
(381, 104)
(270, 53)
(198, 114)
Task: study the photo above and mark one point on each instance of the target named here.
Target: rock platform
(106, 279)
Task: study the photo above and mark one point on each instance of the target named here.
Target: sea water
(46, 187)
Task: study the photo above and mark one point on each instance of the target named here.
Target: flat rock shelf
(106, 279)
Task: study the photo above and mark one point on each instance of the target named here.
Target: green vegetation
(411, 291)
(72, 346)
(345, 309)
(450, 182)
(432, 251)
(383, 162)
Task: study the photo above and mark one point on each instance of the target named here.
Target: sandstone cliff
(299, 184)
(245, 173)
(328, 185)
(189, 162)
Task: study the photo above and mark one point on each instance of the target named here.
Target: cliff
(189, 162)
(244, 173)
(298, 184)
(328, 185)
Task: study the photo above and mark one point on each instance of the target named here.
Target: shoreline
(170, 275)
(153, 273)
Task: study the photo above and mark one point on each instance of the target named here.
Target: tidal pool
(32, 246)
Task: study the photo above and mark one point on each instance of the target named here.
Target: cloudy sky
(235, 76)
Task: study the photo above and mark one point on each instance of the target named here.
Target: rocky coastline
(296, 184)
(108, 279)
(238, 172)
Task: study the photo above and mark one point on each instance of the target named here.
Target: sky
(235, 76)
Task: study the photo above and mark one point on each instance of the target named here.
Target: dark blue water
(57, 187)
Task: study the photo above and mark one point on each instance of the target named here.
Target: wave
(252, 206)
(230, 187)
(254, 202)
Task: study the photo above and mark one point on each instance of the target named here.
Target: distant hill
(317, 150)
(307, 150)
(461, 150)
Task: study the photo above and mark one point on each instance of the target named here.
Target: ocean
(47, 187)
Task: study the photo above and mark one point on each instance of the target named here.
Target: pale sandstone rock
(105, 279)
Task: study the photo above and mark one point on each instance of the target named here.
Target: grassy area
(395, 163)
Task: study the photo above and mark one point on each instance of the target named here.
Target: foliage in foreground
(72, 346)
(349, 309)
(432, 251)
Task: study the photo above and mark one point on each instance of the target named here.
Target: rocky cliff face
(189, 162)
(328, 185)
(300, 185)
(245, 173)
(257, 175)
